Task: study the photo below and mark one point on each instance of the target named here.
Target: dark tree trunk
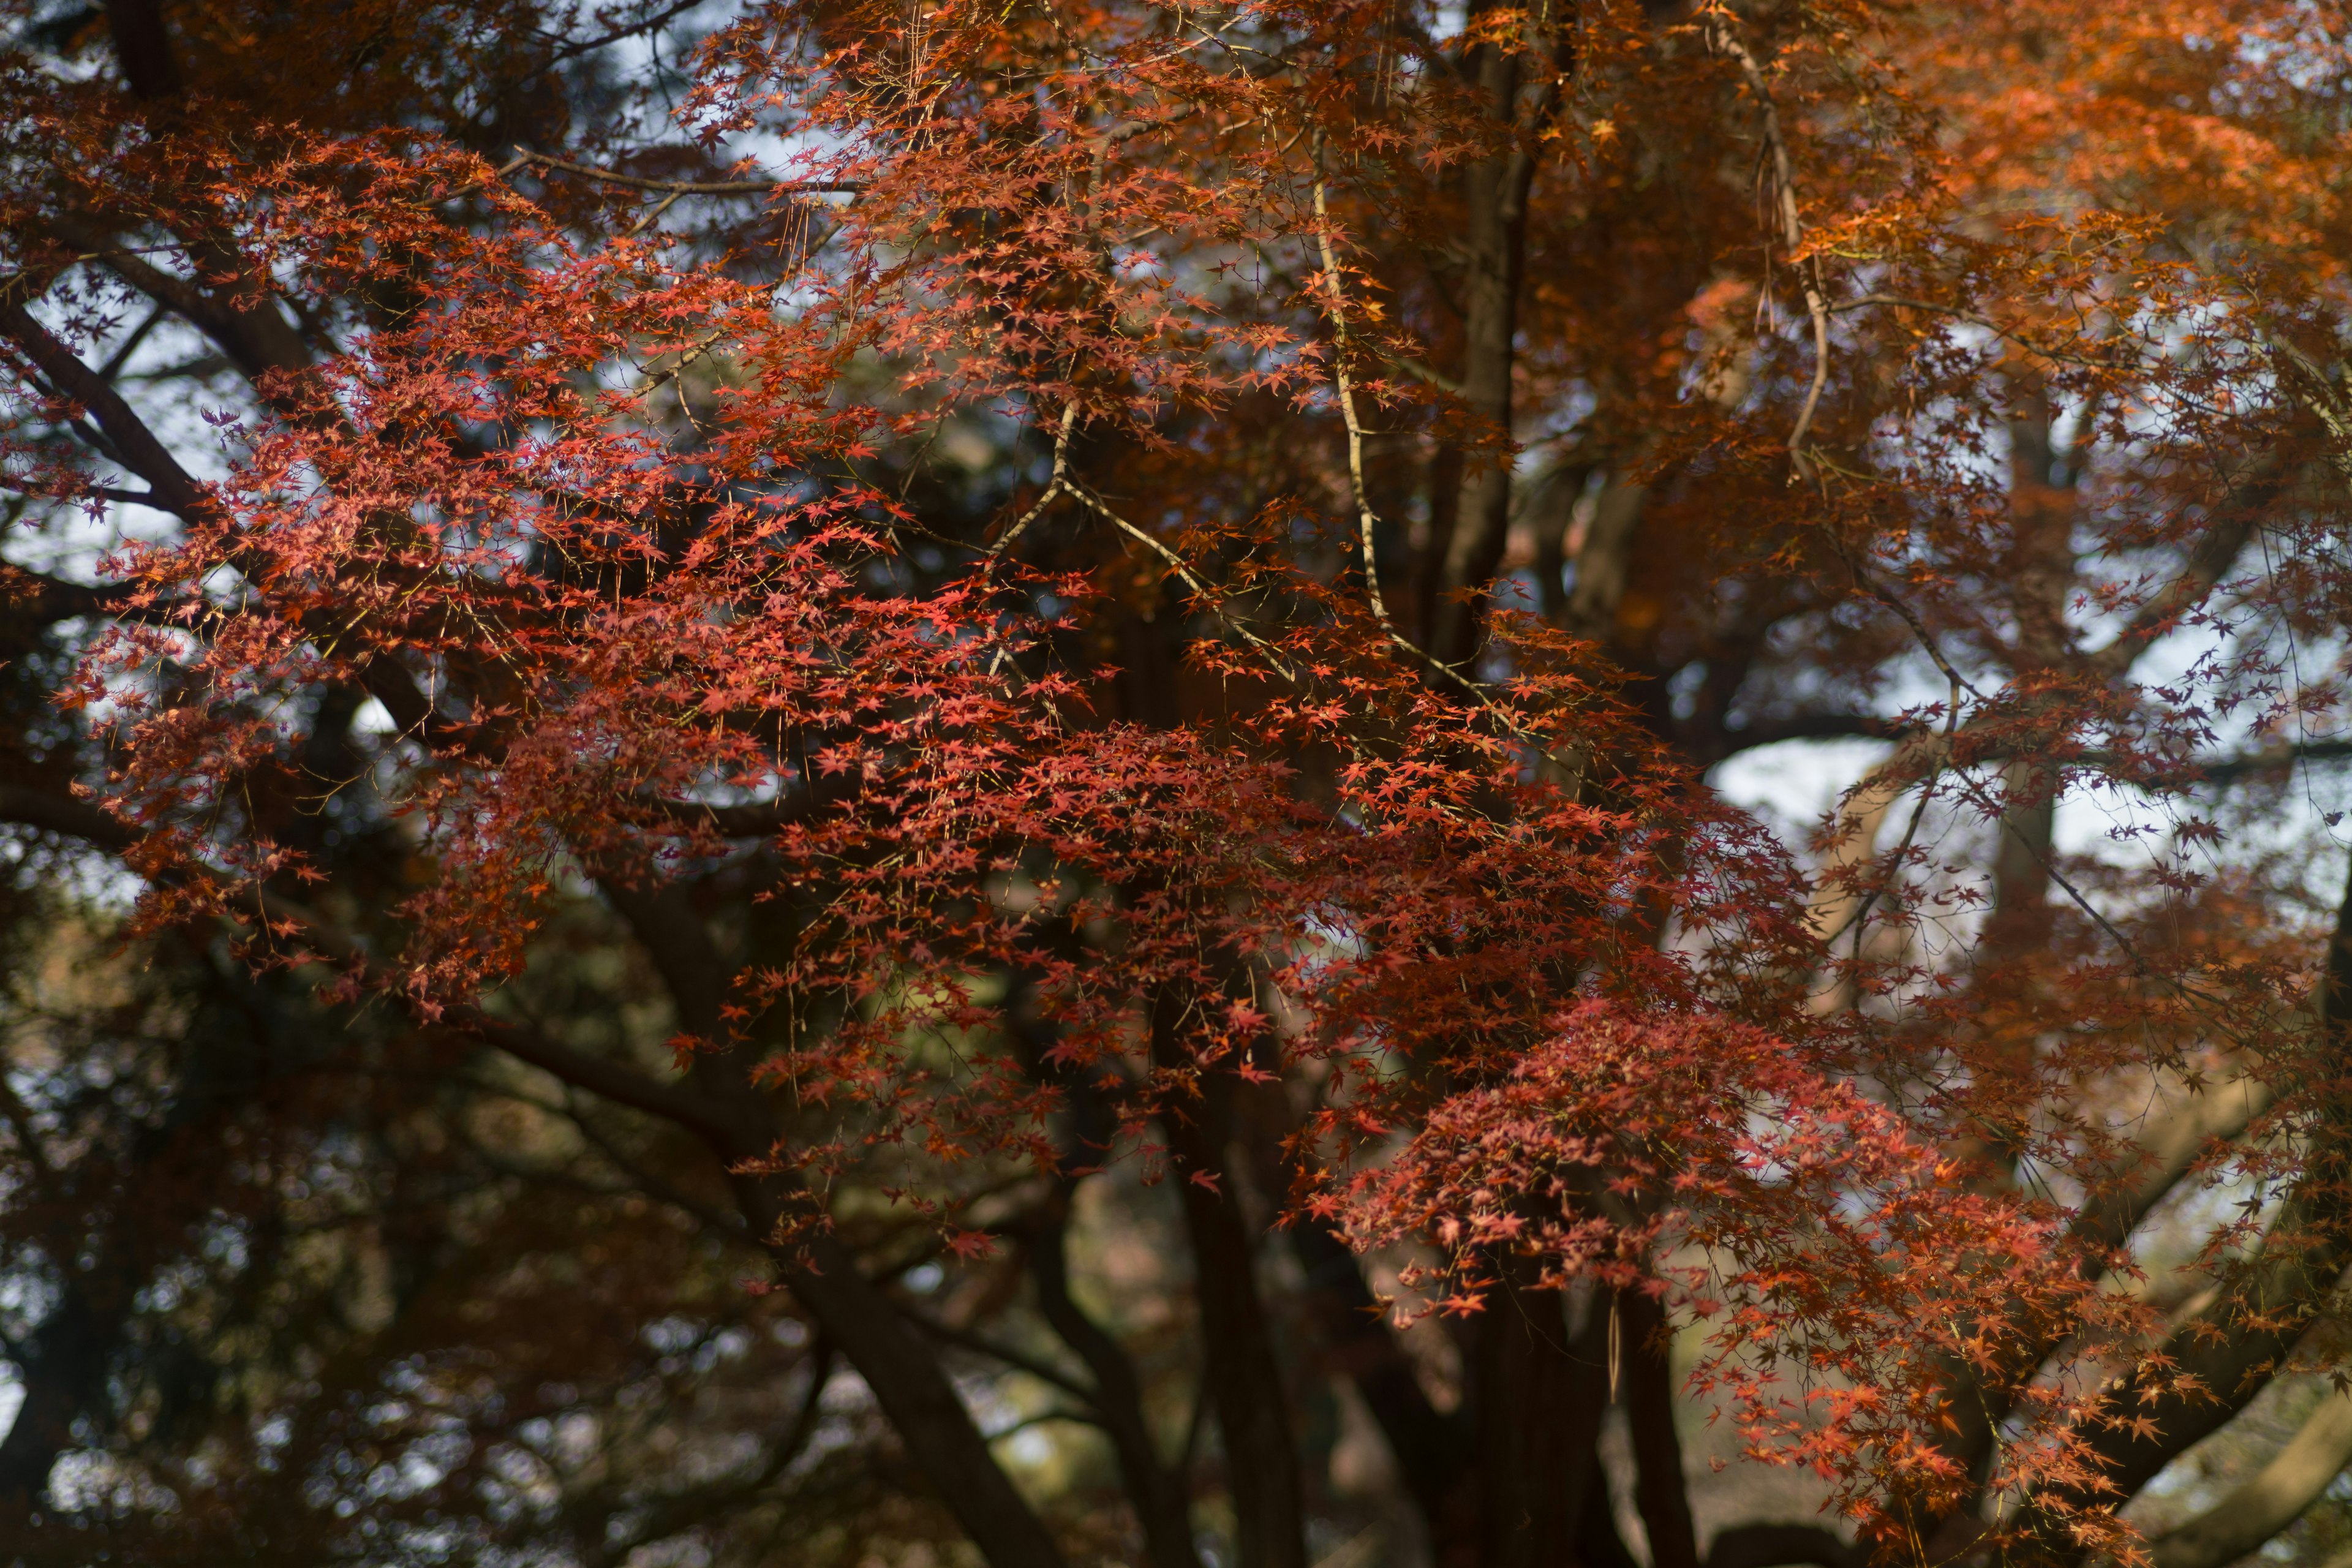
(1538, 1397)
(1245, 1376)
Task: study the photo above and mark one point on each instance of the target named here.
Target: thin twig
(1722, 36)
(1367, 521)
(684, 187)
(654, 216)
(1993, 809)
(634, 29)
(501, 172)
(1942, 751)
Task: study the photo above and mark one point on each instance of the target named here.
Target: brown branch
(73, 819)
(1722, 34)
(691, 188)
(1367, 524)
(980, 1344)
(639, 28)
(1495, 240)
(2226, 770)
(173, 488)
(250, 331)
(2214, 552)
(2269, 1500)
(914, 1393)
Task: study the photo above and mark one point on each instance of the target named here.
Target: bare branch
(1053, 484)
(1366, 522)
(2271, 1499)
(980, 1344)
(690, 187)
(1722, 34)
(173, 488)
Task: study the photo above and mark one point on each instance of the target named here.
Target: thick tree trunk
(144, 48)
(1660, 1490)
(1495, 243)
(63, 1372)
(1543, 1498)
(1155, 1492)
(1245, 1376)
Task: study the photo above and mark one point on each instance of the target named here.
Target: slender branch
(1366, 522)
(2226, 770)
(646, 1182)
(1892, 778)
(2319, 396)
(803, 1425)
(249, 331)
(980, 1344)
(1994, 811)
(1807, 727)
(1722, 34)
(2164, 1154)
(688, 187)
(662, 377)
(639, 28)
(73, 819)
(282, 917)
(495, 175)
(742, 821)
(1053, 486)
(1190, 579)
(2213, 555)
(1471, 689)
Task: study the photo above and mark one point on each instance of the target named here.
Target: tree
(807, 662)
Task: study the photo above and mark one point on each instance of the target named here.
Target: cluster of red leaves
(1830, 1246)
(1553, 999)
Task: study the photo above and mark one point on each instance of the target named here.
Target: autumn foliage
(1107, 592)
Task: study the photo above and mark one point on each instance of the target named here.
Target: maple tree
(767, 670)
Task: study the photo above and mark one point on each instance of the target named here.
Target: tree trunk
(1543, 1499)
(1496, 240)
(1244, 1377)
(1659, 1487)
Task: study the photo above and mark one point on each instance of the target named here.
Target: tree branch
(692, 187)
(2271, 1499)
(914, 1393)
(980, 1344)
(173, 488)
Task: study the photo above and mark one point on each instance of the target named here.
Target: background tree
(814, 780)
